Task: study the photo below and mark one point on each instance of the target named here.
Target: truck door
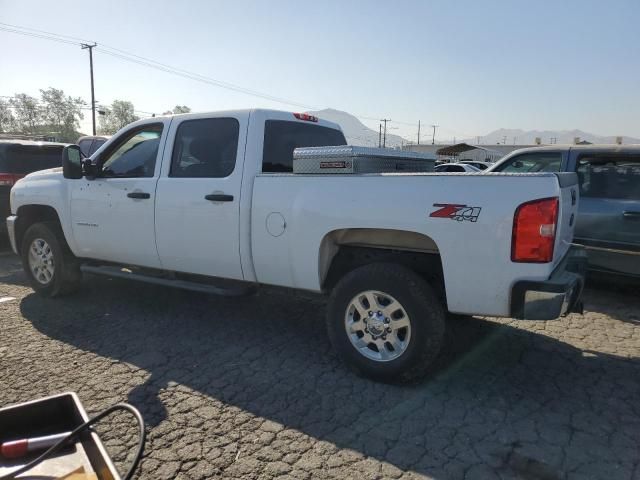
(609, 211)
(112, 215)
(198, 196)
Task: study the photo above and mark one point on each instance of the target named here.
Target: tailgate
(568, 182)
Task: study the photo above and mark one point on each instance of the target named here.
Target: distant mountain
(355, 131)
(359, 134)
(523, 137)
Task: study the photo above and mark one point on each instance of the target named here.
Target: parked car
(476, 163)
(608, 221)
(90, 143)
(456, 168)
(209, 202)
(20, 157)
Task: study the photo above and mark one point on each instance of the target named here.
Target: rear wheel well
(348, 258)
(30, 214)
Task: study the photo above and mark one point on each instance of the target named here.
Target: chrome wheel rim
(41, 261)
(378, 326)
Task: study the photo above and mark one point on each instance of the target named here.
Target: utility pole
(384, 137)
(418, 132)
(380, 136)
(86, 46)
(433, 139)
(478, 139)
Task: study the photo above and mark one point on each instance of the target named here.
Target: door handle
(138, 195)
(631, 215)
(219, 197)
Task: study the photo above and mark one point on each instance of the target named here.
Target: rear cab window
(282, 137)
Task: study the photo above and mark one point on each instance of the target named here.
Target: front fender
(43, 189)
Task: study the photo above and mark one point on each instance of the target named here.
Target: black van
(17, 159)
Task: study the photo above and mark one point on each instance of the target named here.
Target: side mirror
(72, 162)
(89, 169)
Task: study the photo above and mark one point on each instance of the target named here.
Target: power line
(203, 79)
(123, 55)
(143, 61)
(69, 37)
(42, 106)
(60, 40)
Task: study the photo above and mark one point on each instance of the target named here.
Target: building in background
(464, 151)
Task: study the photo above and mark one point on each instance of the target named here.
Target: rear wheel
(386, 322)
(49, 264)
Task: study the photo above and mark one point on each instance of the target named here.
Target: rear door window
(205, 148)
(281, 138)
(613, 177)
(532, 163)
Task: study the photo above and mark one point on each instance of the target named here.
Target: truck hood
(48, 173)
(44, 187)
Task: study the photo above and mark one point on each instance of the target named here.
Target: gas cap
(276, 224)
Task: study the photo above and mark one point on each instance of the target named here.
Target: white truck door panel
(198, 196)
(112, 216)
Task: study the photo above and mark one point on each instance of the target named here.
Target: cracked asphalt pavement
(249, 387)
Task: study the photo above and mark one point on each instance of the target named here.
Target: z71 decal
(456, 212)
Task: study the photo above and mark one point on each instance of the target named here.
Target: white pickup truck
(209, 202)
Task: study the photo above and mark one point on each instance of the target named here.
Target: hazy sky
(469, 66)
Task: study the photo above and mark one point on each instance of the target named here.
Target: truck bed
(313, 209)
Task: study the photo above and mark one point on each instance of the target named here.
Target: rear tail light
(9, 179)
(534, 231)
(306, 117)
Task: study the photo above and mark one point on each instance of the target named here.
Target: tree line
(58, 115)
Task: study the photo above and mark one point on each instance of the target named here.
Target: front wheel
(386, 322)
(50, 266)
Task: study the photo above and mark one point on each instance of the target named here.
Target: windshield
(531, 163)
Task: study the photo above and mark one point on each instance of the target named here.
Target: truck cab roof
(263, 112)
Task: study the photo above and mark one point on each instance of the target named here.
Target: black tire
(66, 274)
(417, 297)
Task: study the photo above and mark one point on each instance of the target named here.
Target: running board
(121, 272)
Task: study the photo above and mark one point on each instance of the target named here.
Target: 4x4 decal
(456, 212)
